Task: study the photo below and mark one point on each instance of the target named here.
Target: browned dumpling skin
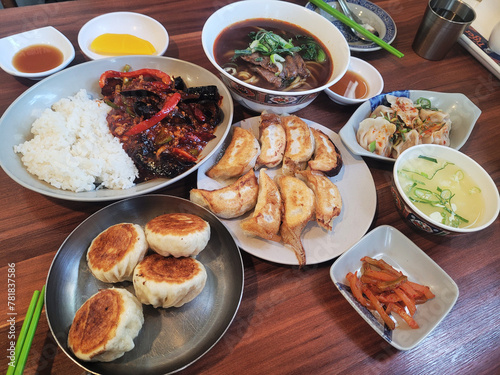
(328, 201)
(105, 326)
(266, 218)
(230, 201)
(299, 145)
(327, 158)
(272, 141)
(168, 281)
(298, 210)
(239, 157)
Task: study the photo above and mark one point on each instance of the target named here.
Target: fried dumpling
(327, 158)
(298, 210)
(177, 234)
(230, 201)
(299, 145)
(168, 281)
(272, 141)
(239, 157)
(328, 204)
(105, 326)
(114, 253)
(266, 218)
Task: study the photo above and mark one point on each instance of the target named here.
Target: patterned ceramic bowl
(483, 182)
(259, 99)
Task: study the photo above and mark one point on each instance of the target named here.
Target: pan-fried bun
(105, 326)
(178, 234)
(168, 281)
(114, 253)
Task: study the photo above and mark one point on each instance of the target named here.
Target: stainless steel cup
(443, 23)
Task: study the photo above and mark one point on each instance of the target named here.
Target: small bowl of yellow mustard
(121, 34)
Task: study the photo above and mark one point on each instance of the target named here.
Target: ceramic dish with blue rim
(389, 244)
(368, 12)
(463, 114)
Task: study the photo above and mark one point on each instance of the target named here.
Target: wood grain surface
(290, 321)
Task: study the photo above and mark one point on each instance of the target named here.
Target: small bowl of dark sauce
(360, 82)
(35, 54)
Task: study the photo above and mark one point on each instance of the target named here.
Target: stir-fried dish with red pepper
(162, 124)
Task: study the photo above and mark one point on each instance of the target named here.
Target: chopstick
(344, 19)
(27, 333)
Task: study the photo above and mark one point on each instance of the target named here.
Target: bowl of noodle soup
(300, 27)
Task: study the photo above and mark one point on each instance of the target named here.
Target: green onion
(372, 146)
(427, 158)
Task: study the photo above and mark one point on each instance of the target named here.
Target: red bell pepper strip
(164, 77)
(168, 106)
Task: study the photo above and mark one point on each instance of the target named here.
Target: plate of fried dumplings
(326, 195)
(145, 285)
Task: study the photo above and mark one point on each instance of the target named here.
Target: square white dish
(387, 243)
(463, 113)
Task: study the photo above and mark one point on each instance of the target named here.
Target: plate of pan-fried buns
(146, 285)
(288, 190)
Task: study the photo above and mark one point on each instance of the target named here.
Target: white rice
(73, 149)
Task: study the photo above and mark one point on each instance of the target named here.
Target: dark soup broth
(273, 55)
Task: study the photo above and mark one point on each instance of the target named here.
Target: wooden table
(290, 321)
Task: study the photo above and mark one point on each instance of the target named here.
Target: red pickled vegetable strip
(408, 301)
(355, 285)
(380, 309)
(402, 313)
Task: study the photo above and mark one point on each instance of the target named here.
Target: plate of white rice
(56, 141)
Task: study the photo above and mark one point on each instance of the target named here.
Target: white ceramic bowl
(389, 244)
(135, 24)
(259, 99)
(463, 113)
(483, 180)
(369, 73)
(46, 35)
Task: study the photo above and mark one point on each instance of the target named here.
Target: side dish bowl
(372, 77)
(389, 244)
(463, 114)
(47, 36)
(16, 122)
(482, 179)
(260, 99)
(135, 24)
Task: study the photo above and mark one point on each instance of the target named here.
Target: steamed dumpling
(376, 131)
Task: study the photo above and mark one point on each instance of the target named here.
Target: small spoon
(356, 19)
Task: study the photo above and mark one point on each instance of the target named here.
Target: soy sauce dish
(36, 54)
(443, 191)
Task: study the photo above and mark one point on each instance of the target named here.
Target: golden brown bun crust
(169, 269)
(178, 223)
(112, 245)
(95, 323)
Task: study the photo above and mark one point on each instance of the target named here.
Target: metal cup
(443, 23)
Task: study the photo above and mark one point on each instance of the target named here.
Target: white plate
(367, 11)
(387, 243)
(135, 24)
(359, 200)
(463, 114)
(170, 339)
(15, 124)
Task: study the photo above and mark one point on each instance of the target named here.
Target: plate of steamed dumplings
(166, 336)
(384, 126)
